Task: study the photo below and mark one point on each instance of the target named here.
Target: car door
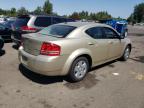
(114, 43)
(2, 28)
(5, 33)
(98, 45)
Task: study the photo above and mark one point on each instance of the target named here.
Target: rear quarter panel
(72, 48)
(125, 42)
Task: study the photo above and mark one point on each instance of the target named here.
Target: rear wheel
(126, 54)
(79, 69)
(1, 44)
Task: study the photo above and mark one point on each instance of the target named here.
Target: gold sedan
(72, 49)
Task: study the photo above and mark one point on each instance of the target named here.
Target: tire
(126, 54)
(1, 44)
(78, 70)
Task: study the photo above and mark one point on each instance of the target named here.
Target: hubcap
(127, 53)
(80, 69)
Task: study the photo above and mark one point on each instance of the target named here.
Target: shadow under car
(38, 78)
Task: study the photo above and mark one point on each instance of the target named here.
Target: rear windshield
(8, 24)
(57, 30)
(21, 21)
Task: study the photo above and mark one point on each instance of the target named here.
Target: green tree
(22, 11)
(84, 15)
(102, 15)
(93, 16)
(75, 16)
(139, 13)
(13, 12)
(48, 7)
(131, 19)
(2, 12)
(38, 10)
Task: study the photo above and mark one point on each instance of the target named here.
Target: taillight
(28, 29)
(50, 49)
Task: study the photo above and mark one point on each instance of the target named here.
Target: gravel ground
(113, 85)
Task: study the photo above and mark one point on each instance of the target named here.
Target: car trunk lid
(32, 42)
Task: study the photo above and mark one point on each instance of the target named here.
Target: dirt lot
(113, 85)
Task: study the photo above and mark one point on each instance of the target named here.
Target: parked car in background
(5, 32)
(9, 23)
(139, 24)
(119, 25)
(72, 49)
(2, 20)
(33, 23)
(1, 43)
(11, 18)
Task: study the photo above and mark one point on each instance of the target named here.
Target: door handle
(90, 43)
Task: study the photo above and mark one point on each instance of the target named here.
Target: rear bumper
(18, 42)
(16, 37)
(51, 66)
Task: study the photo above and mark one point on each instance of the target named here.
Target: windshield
(57, 30)
(8, 24)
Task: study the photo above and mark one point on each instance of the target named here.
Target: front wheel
(78, 69)
(126, 54)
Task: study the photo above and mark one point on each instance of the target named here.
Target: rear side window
(43, 21)
(95, 32)
(21, 21)
(57, 30)
(61, 20)
(58, 20)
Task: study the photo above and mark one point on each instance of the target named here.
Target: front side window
(95, 32)
(57, 30)
(109, 33)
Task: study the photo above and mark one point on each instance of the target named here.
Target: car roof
(34, 15)
(81, 24)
